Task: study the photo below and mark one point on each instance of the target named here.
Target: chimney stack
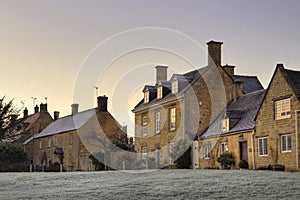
(43, 107)
(74, 108)
(229, 69)
(214, 53)
(161, 73)
(102, 103)
(56, 115)
(36, 109)
(238, 91)
(25, 113)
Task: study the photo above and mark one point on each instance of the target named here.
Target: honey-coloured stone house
(71, 140)
(277, 122)
(182, 107)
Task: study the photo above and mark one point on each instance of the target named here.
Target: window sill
(289, 151)
(263, 155)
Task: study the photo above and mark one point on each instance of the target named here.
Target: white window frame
(159, 92)
(206, 151)
(146, 97)
(144, 153)
(55, 140)
(174, 86)
(286, 143)
(49, 142)
(157, 122)
(225, 124)
(172, 119)
(224, 147)
(283, 109)
(144, 125)
(71, 138)
(41, 144)
(262, 146)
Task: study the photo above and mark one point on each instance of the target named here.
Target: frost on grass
(160, 184)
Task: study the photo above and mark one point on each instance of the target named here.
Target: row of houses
(218, 111)
(72, 139)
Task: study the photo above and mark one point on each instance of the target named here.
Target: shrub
(226, 160)
(243, 164)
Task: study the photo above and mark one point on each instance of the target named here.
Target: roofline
(227, 133)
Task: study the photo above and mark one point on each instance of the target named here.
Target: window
(283, 109)
(175, 86)
(41, 144)
(146, 97)
(206, 150)
(144, 125)
(55, 140)
(157, 122)
(172, 119)
(49, 142)
(225, 124)
(263, 146)
(159, 92)
(286, 143)
(224, 147)
(71, 138)
(144, 152)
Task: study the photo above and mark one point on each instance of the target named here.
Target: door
(244, 151)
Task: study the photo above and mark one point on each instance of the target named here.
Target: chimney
(74, 108)
(43, 107)
(238, 90)
(56, 115)
(214, 53)
(36, 109)
(229, 69)
(161, 73)
(25, 113)
(102, 103)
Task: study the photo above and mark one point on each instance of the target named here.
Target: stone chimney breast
(214, 53)
(36, 109)
(229, 69)
(102, 103)
(74, 107)
(43, 107)
(56, 115)
(25, 113)
(161, 73)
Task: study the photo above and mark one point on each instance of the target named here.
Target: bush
(226, 160)
(243, 164)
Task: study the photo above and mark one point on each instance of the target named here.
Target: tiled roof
(241, 114)
(250, 83)
(67, 123)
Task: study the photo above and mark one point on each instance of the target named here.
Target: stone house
(232, 131)
(30, 125)
(71, 140)
(277, 122)
(181, 108)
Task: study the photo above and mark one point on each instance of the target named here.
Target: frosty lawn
(160, 184)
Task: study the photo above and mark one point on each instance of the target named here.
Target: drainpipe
(296, 133)
(253, 152)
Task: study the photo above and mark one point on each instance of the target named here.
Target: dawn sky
(44, 44)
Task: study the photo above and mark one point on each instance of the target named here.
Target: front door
(244, 151)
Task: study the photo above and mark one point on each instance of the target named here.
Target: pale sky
(43, 44)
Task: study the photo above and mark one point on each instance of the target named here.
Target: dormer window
(146, 97)
(175, 86)
(159, 92)
(225, 124)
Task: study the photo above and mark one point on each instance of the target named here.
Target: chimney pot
(161, 73)
(36, 109)
(56, 115)
(43, 107)
(214, 53)
(25, 113)
(74, 108)
(102, 103)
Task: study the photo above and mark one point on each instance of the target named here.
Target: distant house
(30, 125)
(277, 122)
(72, 139)
(182, 107)
(232, 132)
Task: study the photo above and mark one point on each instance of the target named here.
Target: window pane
(289, 142)
(265, 146)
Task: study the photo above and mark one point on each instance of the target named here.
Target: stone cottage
(277, 122)
(181, 108)
(232, 131)
(71, 140)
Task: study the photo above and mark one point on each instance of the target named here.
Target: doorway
(244, 151)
